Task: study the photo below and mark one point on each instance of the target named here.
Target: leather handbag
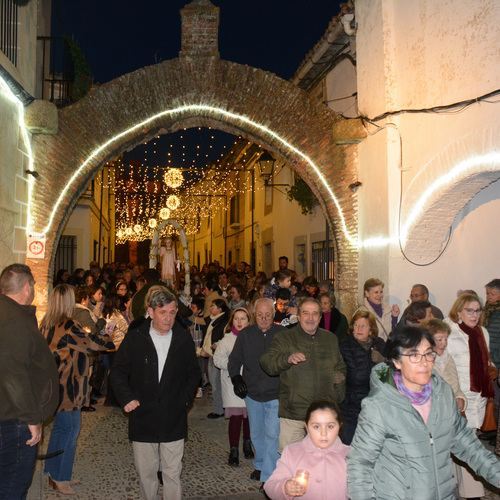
(489, 423)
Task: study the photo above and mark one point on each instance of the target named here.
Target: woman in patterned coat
(70, 344)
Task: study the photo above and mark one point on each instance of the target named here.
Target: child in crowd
(282, 279)
(320, 453)
(196, 325)
(310, 285)
(283, 316)
(296, 287)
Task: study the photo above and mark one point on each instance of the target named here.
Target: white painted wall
(14, 160)
(471, 260)
(414, 55)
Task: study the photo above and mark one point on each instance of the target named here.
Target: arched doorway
(197, 91)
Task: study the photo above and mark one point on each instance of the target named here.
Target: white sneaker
(199, 393)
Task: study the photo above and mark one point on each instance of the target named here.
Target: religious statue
(169, 261)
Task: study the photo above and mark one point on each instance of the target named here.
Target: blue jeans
(63, 437)
(265, 433)
(17, 459)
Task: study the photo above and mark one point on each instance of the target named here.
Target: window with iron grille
(66, 254)
(320, 263)
(8, 29)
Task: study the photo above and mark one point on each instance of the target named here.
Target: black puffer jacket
(359, 366)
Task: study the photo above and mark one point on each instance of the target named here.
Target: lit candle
(302, 477)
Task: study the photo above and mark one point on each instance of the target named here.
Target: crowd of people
(382, 405)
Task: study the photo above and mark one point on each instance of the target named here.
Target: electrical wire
(444, 109)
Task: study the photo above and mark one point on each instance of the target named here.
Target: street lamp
(266, 165)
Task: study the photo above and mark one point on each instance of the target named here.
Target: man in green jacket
(310, 366)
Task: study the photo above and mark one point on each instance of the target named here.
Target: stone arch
(443, 187)
(188, 92)
(153, 254)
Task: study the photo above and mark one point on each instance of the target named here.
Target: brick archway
(190, 92)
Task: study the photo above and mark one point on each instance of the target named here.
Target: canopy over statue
(169, 256)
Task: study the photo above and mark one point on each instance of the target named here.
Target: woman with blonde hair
(361, 350)
(70, 344)
(468, 345)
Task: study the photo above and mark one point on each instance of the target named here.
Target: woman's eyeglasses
(416, 357)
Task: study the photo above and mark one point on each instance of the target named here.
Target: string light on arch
(214, 111)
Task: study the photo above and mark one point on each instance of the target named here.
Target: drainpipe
(327, 251)
(346, 20)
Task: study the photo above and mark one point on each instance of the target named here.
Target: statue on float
(170, 264)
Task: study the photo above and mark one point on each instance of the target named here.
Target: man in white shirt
(155, 375)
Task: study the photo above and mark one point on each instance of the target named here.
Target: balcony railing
(57, 72)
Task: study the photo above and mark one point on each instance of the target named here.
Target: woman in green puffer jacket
(408, 426)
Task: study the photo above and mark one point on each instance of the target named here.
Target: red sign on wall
(36, 247)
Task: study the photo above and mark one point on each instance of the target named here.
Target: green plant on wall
(302, 194)
(83, 75)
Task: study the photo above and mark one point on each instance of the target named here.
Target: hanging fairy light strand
(146, 195)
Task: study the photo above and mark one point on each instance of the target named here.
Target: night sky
(120, 36)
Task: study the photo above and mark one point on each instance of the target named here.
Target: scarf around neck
(416, 398)
(479, 377)
(378, 308)
(488, 310)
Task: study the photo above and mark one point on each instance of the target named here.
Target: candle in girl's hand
(302, 477)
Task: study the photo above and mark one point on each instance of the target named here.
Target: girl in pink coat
(315, 468)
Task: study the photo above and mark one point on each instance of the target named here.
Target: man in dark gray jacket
(29, 383)
(259, 390)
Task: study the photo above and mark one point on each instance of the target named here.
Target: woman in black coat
(331, 318)
(216, 323)
(361, 351)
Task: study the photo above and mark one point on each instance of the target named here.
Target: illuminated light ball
(137, 228)
(128, 231)
(174, 178)
(152, 223)
(164, 213)
(173, 202)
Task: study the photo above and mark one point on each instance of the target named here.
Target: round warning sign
(36, 247)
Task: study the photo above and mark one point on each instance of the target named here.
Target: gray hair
(161, 298)
(264, 300)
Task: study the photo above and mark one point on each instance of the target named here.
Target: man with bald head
(259, 390)
(421, 292)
